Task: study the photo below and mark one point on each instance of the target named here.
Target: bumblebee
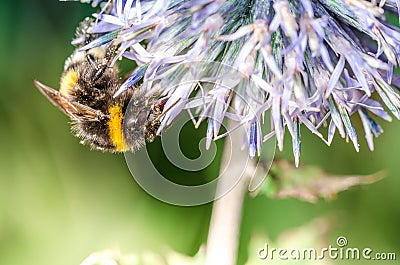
(110, 124)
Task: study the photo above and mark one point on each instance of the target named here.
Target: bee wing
(74, 110)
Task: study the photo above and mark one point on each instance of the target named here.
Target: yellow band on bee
(68, 81)
(115, 128)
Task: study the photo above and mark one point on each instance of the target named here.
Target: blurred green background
(59, 201)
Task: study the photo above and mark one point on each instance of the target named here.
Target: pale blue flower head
(306, 63)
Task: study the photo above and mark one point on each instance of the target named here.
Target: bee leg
(110, 52)
(101, 68)
(91, 60)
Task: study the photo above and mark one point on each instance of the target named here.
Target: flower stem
(224, 231)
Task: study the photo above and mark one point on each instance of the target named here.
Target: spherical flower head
(305, 63)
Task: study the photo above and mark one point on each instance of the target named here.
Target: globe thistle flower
(309, 63)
